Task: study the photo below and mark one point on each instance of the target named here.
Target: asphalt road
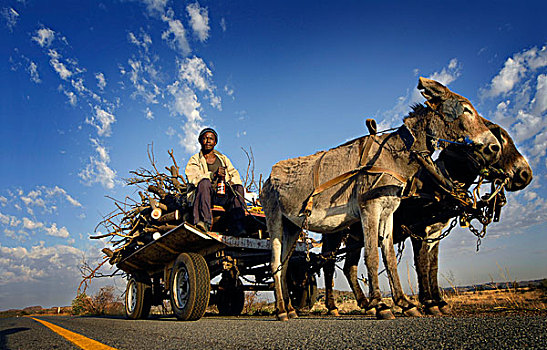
(312, 332)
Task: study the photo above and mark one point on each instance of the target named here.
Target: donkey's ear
(432, 90)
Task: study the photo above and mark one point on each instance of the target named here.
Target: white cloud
(9, 220)
(149, 114)
(3, 201)
(44, 37)
(170, 131)
(175, 35)
(514, 70)
(31, 225)
(21, 265)
(58, 66)
(78, 85)
(10, 16)
(195, 72)
(60, 191)
(186, 104)
(20, 235)
(57, 232)
(101, 81)
(228, 90)
(223, 24)
(33, 71)
(72, 99)
(144, 42)
(199, 21)
(155, 6)
(539, 103)
(33, 198)
(527, 126)
(98, 170)
(448, 74)
(148, 90)
(102, 120)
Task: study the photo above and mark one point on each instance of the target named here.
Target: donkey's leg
(390, 262)
(422, 263)
(354, 243)
(275, 229)
(330, 243)
(370, 217)
(443, 306)
(291, 232)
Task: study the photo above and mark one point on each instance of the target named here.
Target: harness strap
(347, 175)
(371, 126)
(316, 170)
(443, 183)
(363, 155)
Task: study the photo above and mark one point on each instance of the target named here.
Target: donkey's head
(459, 121)
(511, 162)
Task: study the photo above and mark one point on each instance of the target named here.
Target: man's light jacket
(197, 170)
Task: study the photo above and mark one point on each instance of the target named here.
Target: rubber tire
(138, 287)
(198, 284)
(230, 301)
(306, 297)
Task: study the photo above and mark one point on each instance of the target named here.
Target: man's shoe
(205, 227)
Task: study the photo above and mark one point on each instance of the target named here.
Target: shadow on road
(9, 331)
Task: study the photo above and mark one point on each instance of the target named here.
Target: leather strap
(363, 155)
(315, 174)
(364, 152)
(347, 175)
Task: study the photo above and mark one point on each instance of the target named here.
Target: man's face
(208, 141)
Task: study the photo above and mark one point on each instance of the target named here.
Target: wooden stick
(172, 216)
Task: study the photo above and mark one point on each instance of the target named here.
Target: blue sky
(87, 85)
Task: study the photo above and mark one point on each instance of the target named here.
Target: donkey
(428, 218)
(376, 173)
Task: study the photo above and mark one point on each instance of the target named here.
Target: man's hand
(221, 172)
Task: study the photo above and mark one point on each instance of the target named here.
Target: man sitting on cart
(216, 182)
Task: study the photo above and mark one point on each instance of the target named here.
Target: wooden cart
(180, 265)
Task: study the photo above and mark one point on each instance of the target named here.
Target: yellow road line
(78, 339)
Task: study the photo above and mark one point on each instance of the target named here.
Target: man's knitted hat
(206, 130)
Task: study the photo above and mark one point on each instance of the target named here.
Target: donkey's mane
(418, 110)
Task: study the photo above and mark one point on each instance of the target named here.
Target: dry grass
(510, 299)
(507, 299)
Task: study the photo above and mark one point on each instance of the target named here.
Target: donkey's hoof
(385, 314)
(370, 312)
(433, 310)
(293, 314)
(445, 309)
(412, 312)
(333, 312)
(363, 304)
(282, 317)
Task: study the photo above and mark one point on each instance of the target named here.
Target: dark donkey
(375, 175)
(426, 216)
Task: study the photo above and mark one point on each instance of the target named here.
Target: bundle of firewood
(161, 207)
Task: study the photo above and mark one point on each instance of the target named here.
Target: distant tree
(80, 304)
(104, 301)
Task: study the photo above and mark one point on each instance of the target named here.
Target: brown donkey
(427, 217)
(372, 194)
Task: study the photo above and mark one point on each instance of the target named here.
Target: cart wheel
(230, 299)
(190, 287)
(304, 297)
(138, 296)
